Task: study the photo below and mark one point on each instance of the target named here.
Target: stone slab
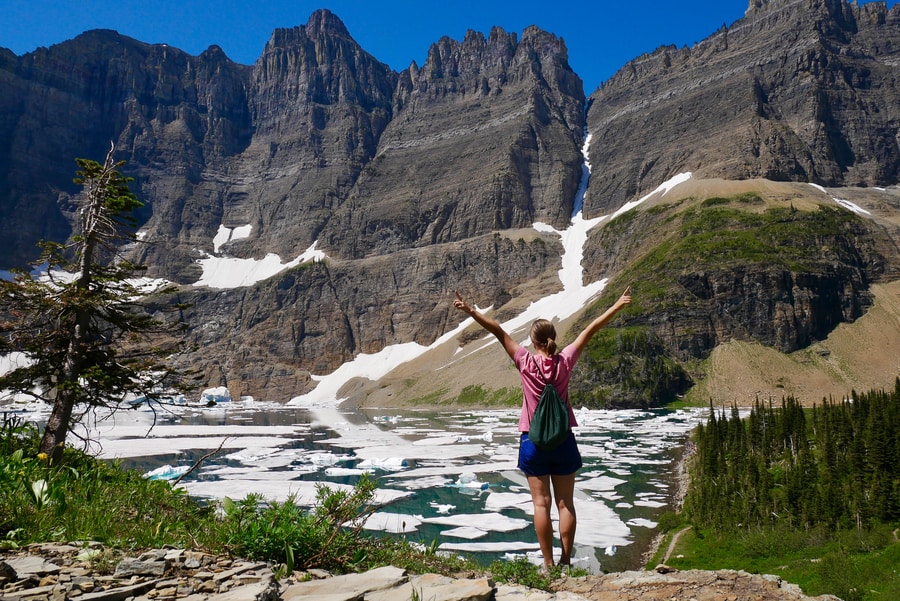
(434, 587)
(258, 591)
(119, 593)
(30, 564)
(38, 592)
(350, 585)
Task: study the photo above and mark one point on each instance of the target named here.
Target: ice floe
(167, 472)
(446, 469)
(486, 522)
(396, 523)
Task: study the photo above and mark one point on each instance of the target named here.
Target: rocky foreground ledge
(59, 572)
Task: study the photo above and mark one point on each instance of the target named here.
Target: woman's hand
(490, 324)
(585, 336)
(625, 299)
(460, 304)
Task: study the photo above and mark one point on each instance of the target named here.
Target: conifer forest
(835, 465)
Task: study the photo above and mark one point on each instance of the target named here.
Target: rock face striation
(316, 140)
(765, 271)
(417, 183)
(797, 90)
(402, 178)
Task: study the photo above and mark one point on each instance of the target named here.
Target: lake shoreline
(680, 479)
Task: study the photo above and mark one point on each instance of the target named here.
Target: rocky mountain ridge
(772, 264)
(797, 90)
(421, 182)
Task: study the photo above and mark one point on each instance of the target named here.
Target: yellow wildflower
(42, 456)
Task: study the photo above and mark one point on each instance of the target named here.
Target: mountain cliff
(417, 183)
(317, 141)
(797, 90)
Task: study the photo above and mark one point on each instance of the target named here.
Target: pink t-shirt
(536, 371)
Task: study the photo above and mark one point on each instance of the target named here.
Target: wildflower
(42, 456)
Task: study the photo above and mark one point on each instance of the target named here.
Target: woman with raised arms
(551, 474)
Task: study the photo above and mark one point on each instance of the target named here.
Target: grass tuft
(83, 498)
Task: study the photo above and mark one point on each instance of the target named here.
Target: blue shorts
(561, 461)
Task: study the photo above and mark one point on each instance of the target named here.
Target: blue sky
(601, 35)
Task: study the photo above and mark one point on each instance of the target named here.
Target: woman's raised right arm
(587, 333)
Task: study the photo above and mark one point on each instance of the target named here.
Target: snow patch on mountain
(231, 272)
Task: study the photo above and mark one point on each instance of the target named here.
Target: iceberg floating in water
(467, 532)
(345, 471)
(216, 395)
(389, 463)
(167, 472)
(324, 459)
(441, 508)
(470, 481)
(396, 523)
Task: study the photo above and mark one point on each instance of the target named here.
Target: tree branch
(199, 461)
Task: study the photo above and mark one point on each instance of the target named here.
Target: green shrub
(522, 572)
(328, 536)
(670, 520)
(82, 498)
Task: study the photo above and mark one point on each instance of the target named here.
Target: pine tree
(86, 329)
(842, 470)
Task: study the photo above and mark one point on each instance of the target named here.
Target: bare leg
(564, 492)
(543, 526)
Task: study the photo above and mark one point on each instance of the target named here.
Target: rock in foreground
(60, 572)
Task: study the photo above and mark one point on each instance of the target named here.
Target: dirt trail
(674, 542)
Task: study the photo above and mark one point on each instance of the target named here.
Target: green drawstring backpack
(550, 424)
